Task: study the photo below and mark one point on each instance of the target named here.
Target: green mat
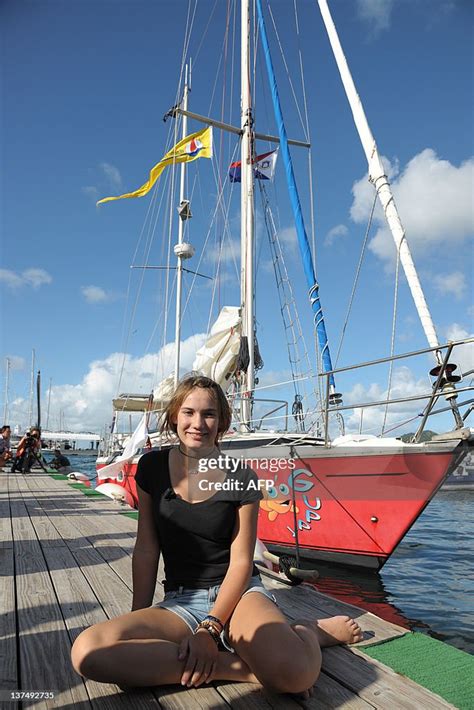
(58, 476)
(130, 514)
(441, 668)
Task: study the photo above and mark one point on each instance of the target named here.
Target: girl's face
(197, 421)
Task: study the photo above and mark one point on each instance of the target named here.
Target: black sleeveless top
(194, 538)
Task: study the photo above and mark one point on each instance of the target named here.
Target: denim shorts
(193, 605)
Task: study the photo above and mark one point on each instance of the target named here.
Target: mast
(247, 218)
(7, 385)
(49, 401)
(38, 399)
(303, 242)
(380, 181)
(182, 251)
(32, 386)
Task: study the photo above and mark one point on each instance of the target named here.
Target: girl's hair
(186, 386)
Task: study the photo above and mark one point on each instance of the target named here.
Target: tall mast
(380, 181)
(247, 217)
(49, 401)
(32, 386)
(178, 249)
(7, 386)
(38, 400)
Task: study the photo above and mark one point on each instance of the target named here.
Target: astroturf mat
(441, 668)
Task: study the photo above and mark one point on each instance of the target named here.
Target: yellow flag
(196, 145)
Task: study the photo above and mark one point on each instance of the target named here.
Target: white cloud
(29, 277)
(288, 236)
(95, 294)
(228, 251)
(404, 384)
(91, 192)
(434, 199)
(452, 284)
(462, 355)
(86, 406)
(377, 12)
(110, 180)
(16, 362)
(113, 175)
(334, 234)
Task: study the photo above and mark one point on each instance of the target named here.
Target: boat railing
(282, 404)
(441, 388)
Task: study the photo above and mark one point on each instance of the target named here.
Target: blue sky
(84, 89)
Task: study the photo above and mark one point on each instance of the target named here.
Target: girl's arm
(146, 554)
(241, 562)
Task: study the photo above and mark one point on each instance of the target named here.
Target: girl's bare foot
(338, 629)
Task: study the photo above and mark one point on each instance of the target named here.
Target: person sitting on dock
(217, 621)
(60, 462)
(5, 450)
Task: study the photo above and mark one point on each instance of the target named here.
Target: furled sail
(217, 358)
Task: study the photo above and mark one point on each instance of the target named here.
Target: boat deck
(66, 562)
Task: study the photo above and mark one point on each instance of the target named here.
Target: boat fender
(78, 476)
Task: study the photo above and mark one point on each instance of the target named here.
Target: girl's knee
(294, 667)
(86, 648)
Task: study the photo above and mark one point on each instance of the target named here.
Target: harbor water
(426, 586)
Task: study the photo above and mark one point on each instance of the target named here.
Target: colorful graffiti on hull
(283, 495)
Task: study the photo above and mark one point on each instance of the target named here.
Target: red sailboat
(346, 498)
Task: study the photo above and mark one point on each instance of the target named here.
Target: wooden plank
(376, 683)
(327, 695)
(87, 527)
(80, 609)
(8, 647)
(80, 530)
(175, 697)
(304, 601)
(42, 635)
(114, 600)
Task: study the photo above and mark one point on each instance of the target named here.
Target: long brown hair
(184, 387)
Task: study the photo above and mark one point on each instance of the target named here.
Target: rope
(392, 344)
(356, 280)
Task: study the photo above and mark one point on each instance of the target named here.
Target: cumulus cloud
(288, 236)
(91, 192)
(377, 12)
(463, 355)
(16, 362)
(227, 252)
(434, 198)
(32, 277)
(110, 180)
(86, 406)
(453, 284)
(95, 294)
(113, 175)
(404, 384)
(334, 234)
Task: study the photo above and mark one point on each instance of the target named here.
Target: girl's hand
(201, 652)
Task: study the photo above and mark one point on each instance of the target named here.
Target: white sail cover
(218, 356)
(136, 441)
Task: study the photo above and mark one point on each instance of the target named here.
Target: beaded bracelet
(211, 630)
(214, 619)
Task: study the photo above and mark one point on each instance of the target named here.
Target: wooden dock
(66, 564)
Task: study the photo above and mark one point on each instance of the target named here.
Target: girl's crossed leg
(141, 649)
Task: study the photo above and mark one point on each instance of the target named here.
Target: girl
(217, 621)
